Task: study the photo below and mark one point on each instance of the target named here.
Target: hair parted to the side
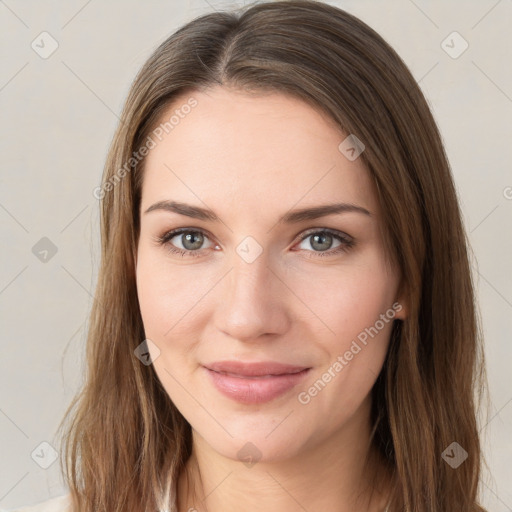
(125, 442)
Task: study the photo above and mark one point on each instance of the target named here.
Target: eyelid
(168, 235)
(334, 232)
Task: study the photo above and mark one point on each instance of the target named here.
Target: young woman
(285, 317)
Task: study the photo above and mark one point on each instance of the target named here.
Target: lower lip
(255, 390)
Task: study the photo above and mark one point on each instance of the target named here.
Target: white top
(59, 504)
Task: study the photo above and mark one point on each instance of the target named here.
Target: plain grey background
(59, 109)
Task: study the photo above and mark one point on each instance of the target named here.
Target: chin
(261, 439)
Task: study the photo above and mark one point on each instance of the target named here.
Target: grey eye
(320, 241)
(189, 240)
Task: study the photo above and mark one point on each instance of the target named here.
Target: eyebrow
(291, 217)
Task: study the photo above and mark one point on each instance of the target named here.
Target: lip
(254, 383)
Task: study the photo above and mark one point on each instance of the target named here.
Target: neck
(329, 475)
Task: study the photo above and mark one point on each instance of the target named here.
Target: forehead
(231, 147)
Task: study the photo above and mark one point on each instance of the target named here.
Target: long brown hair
(126, 443)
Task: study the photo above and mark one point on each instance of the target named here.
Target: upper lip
(254, 369)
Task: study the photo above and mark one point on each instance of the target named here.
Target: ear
(401, 304)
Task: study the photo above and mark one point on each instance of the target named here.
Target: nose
(253, 301)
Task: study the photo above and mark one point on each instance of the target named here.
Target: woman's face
(269, 319)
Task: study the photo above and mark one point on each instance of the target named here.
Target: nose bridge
(251, 302)
(248, 280)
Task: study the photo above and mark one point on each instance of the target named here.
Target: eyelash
(346, 242)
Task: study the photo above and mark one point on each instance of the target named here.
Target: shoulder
(58, 504)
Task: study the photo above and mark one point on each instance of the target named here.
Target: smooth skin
(252, 159)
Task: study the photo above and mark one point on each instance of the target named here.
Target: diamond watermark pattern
(44, 250)
(44, 455)
(249, 454)
(147, 352)
(249, 249)
(454, 455)
(454, 45)
(45, 45)
(351, 147)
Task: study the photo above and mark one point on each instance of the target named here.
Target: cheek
(354, 305)
(166, 293)
(346, 300)
(173, 301)
(167, 309)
